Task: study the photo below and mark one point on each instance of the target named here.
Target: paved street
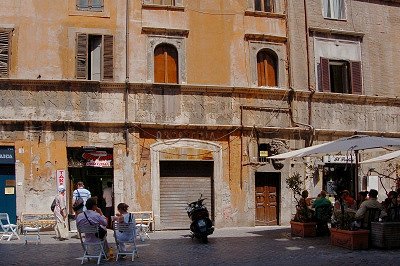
(232, 246)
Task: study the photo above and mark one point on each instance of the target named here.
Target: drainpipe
(126, 95)
(307, 45)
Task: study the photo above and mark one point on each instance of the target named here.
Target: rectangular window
(5, 44)
(264, 5)
(341, 76)
(90, 5)
(334, 9)
(94, 57)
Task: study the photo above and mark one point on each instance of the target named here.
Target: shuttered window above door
(266, 69)
(165, 64)
(340, 76)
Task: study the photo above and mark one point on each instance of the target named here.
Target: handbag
(78, 204)
(101, 231)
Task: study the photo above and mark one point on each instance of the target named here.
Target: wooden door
(267, 198)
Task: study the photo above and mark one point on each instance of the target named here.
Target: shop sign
(99, 163)
(60, 178)
(7, 155)
(339, 159)
(98, 159)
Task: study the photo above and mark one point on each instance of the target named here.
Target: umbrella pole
(356, 174)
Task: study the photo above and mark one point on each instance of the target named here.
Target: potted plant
(302, 224)
(344, 234)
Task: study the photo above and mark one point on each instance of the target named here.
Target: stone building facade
(172, 99)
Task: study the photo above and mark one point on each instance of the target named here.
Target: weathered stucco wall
(376, 23)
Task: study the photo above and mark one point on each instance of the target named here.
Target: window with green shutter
(5, 40)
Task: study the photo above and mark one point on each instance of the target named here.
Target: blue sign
(7, 155)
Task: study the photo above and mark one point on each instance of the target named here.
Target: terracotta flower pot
(303, 229)
(350, 239)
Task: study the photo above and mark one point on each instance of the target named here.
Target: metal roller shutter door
(191, 179)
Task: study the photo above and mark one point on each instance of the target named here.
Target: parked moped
(201, 226)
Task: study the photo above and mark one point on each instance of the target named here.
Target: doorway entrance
(7, 183)
(267, 195)
(94, 168)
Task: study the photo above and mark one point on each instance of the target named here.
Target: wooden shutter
(261, 70)
(82, 4)
(356, 77)
(159, 65)
(4, 53)
(171, 63)
(108, 57)
(81, 56)
(266, 69)
(325, 77)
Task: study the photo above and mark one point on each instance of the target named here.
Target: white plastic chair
(143, 227)
(121, 244)
(91, 248)
(9, 229)
(31, 232)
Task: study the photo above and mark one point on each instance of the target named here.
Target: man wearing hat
(60, 213)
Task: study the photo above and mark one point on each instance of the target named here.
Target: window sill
(336, 19)
(100, 14)
(162, 7)
(263, 14)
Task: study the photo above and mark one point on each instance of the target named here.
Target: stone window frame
(179, 42)
(280, 51)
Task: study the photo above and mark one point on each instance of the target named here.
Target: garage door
(182, 182)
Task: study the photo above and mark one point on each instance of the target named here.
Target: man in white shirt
(108, 196)
(81, 192)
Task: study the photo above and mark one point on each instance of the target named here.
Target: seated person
(124, 217)
(362, 196)
(92, 216)
(303, 212)
(372, 202)
(346, 200)
(322, 200)
(390, 201)
(323, 213)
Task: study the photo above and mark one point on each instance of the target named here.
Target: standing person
(108, 197)
(80, 192)
(60, 213)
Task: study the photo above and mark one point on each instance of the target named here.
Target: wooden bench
(144, 217)
(44, 220)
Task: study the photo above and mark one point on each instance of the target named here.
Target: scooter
(201, 226)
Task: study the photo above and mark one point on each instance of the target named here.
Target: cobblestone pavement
(228, 246)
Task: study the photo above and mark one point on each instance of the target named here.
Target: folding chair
(126, 228)
(143, 226)
(9, 229)
(91, 248)
(31, 231)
